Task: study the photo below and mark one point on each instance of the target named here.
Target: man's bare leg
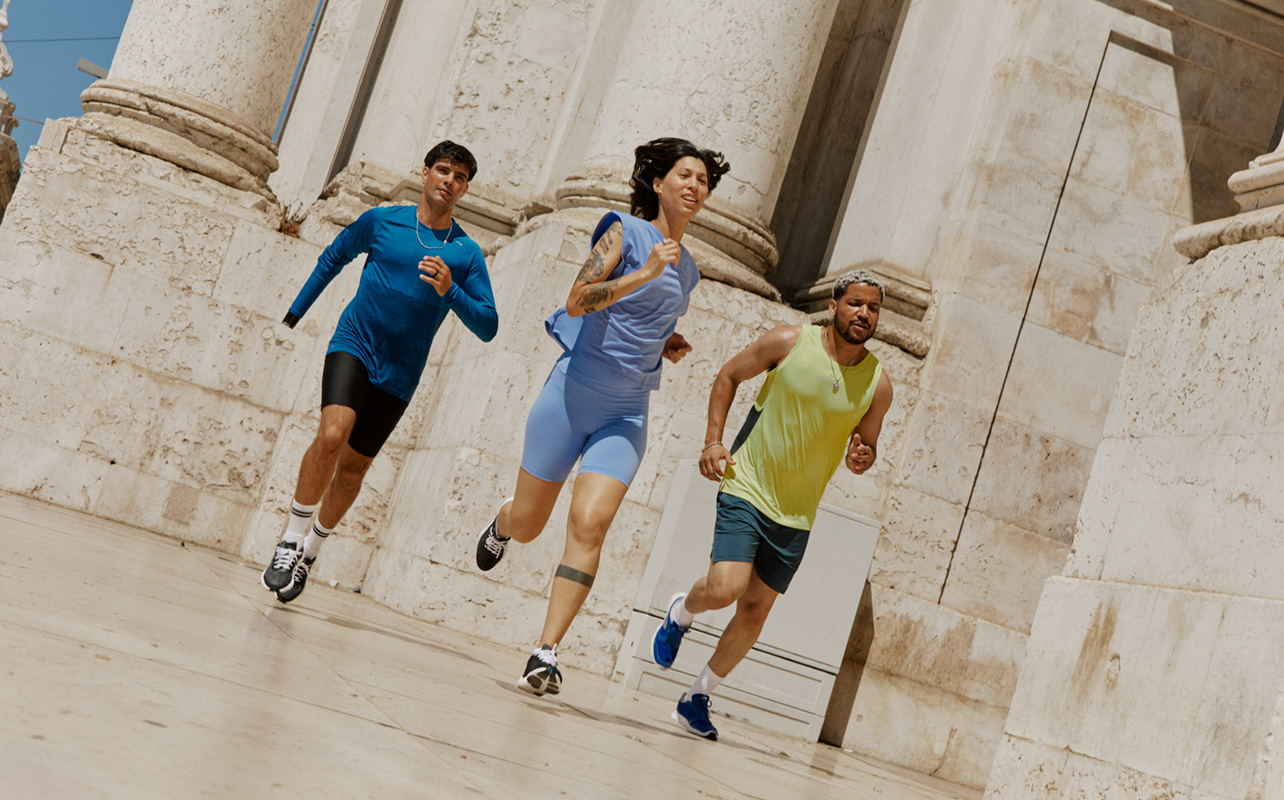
(752, 609)
(317, 467)
(742, 632)
(345, 485)
(316, 473)
(725, 583)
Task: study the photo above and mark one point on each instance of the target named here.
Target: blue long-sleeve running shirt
(391, 322)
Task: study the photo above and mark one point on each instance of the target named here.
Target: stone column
(203, 89)
(725, 75)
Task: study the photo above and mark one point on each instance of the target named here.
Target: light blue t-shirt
(391, 322)
(621, 345)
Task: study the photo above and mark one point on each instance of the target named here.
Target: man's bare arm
(862, 449)
(763, 354)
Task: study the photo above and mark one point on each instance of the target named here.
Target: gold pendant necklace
(449, 231)
(831, 358)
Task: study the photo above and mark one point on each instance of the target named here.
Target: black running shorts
(344, 382)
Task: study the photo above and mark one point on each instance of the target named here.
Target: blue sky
(45, 82)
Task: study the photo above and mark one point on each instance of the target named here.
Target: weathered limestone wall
(519, 83)
(145, 385)
(1153, 664)
(1055, 173)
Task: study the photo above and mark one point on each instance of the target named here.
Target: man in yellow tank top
(822, 403)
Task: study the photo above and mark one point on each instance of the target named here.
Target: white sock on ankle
(300, 521)
(681, 615)
(312, 544)
(705, 683)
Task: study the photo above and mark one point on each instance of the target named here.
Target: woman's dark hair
(455, 154)
(654, 160)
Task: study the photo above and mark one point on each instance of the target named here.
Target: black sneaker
(280, 573)
(300, 580)
(542, 675)
(491, 546)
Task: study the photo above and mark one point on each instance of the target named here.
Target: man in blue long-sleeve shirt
(420, 265)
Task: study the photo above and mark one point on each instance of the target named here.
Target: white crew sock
(312, 544)
(681, 615)
(300, 521)
(705, 683)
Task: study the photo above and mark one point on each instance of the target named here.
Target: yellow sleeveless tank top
(797, 433)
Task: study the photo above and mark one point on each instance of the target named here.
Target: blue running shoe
(693, 714)
(668, 637)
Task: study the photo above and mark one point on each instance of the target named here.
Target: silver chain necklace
(449, 231)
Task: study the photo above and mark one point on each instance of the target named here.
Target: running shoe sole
(678, 718)
(263, 582)
(540, 685)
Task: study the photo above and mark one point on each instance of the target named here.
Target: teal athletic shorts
(743, 533)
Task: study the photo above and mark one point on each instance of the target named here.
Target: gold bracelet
(710, 444)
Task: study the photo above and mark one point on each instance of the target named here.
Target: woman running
(617, 324)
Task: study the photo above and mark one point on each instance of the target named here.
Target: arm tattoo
(592, 269)
(597, 296)
(595, 267)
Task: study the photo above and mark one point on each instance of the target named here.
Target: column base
(183, 130)
(1199, 240)
(901, 322)
(730, 247)
(1261, 185)
(359, 187)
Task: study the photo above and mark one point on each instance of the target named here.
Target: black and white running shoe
(300, 580)
(280, 573)
(542, 675)
(490, 545)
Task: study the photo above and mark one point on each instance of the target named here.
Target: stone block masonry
(148, 377)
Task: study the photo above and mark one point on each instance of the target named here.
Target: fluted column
(732, 75)
(202, 86)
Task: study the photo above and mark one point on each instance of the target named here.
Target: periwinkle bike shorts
(570, 420)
